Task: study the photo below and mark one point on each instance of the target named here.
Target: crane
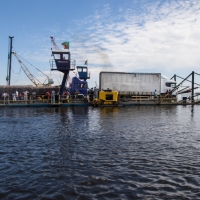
(30, 76)
(69, 80)
(54, 43)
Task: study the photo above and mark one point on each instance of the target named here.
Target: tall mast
(9, 61)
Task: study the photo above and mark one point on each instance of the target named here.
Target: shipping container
(131, 83)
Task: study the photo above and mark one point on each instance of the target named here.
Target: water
(147, 152)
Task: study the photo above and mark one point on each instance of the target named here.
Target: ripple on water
(100, 153)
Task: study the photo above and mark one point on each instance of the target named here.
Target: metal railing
(42, 99)
(53, 65)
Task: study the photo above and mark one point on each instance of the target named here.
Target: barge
(115, 88)
(80, 100)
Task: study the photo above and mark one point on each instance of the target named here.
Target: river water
(139, 152)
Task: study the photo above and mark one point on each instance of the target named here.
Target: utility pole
(192, 86)
(10, 59)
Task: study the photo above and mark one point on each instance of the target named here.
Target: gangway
(186, 79)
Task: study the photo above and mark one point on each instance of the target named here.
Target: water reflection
(106, 110)
(100, 153)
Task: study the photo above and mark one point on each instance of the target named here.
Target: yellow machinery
(106, 97)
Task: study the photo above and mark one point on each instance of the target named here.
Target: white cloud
(164, 36)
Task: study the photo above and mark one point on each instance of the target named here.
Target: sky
(147, 36)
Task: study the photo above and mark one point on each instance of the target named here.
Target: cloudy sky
(158, 36)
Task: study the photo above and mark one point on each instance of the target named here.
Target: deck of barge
(83, 103)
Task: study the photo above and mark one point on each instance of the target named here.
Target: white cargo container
(130, 83)
(135, 83)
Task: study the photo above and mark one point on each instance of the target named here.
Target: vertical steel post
(66, 73)
(192, 86)
(174, 77)
(10, 57)
(175, 86)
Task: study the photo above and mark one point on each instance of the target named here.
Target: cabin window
(65, 57)
(78, 86)
(56, 56)
(84, 85)
(170, 85)
(109, 97)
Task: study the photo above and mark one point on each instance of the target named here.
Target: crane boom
(54, 43)
(26, 71)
